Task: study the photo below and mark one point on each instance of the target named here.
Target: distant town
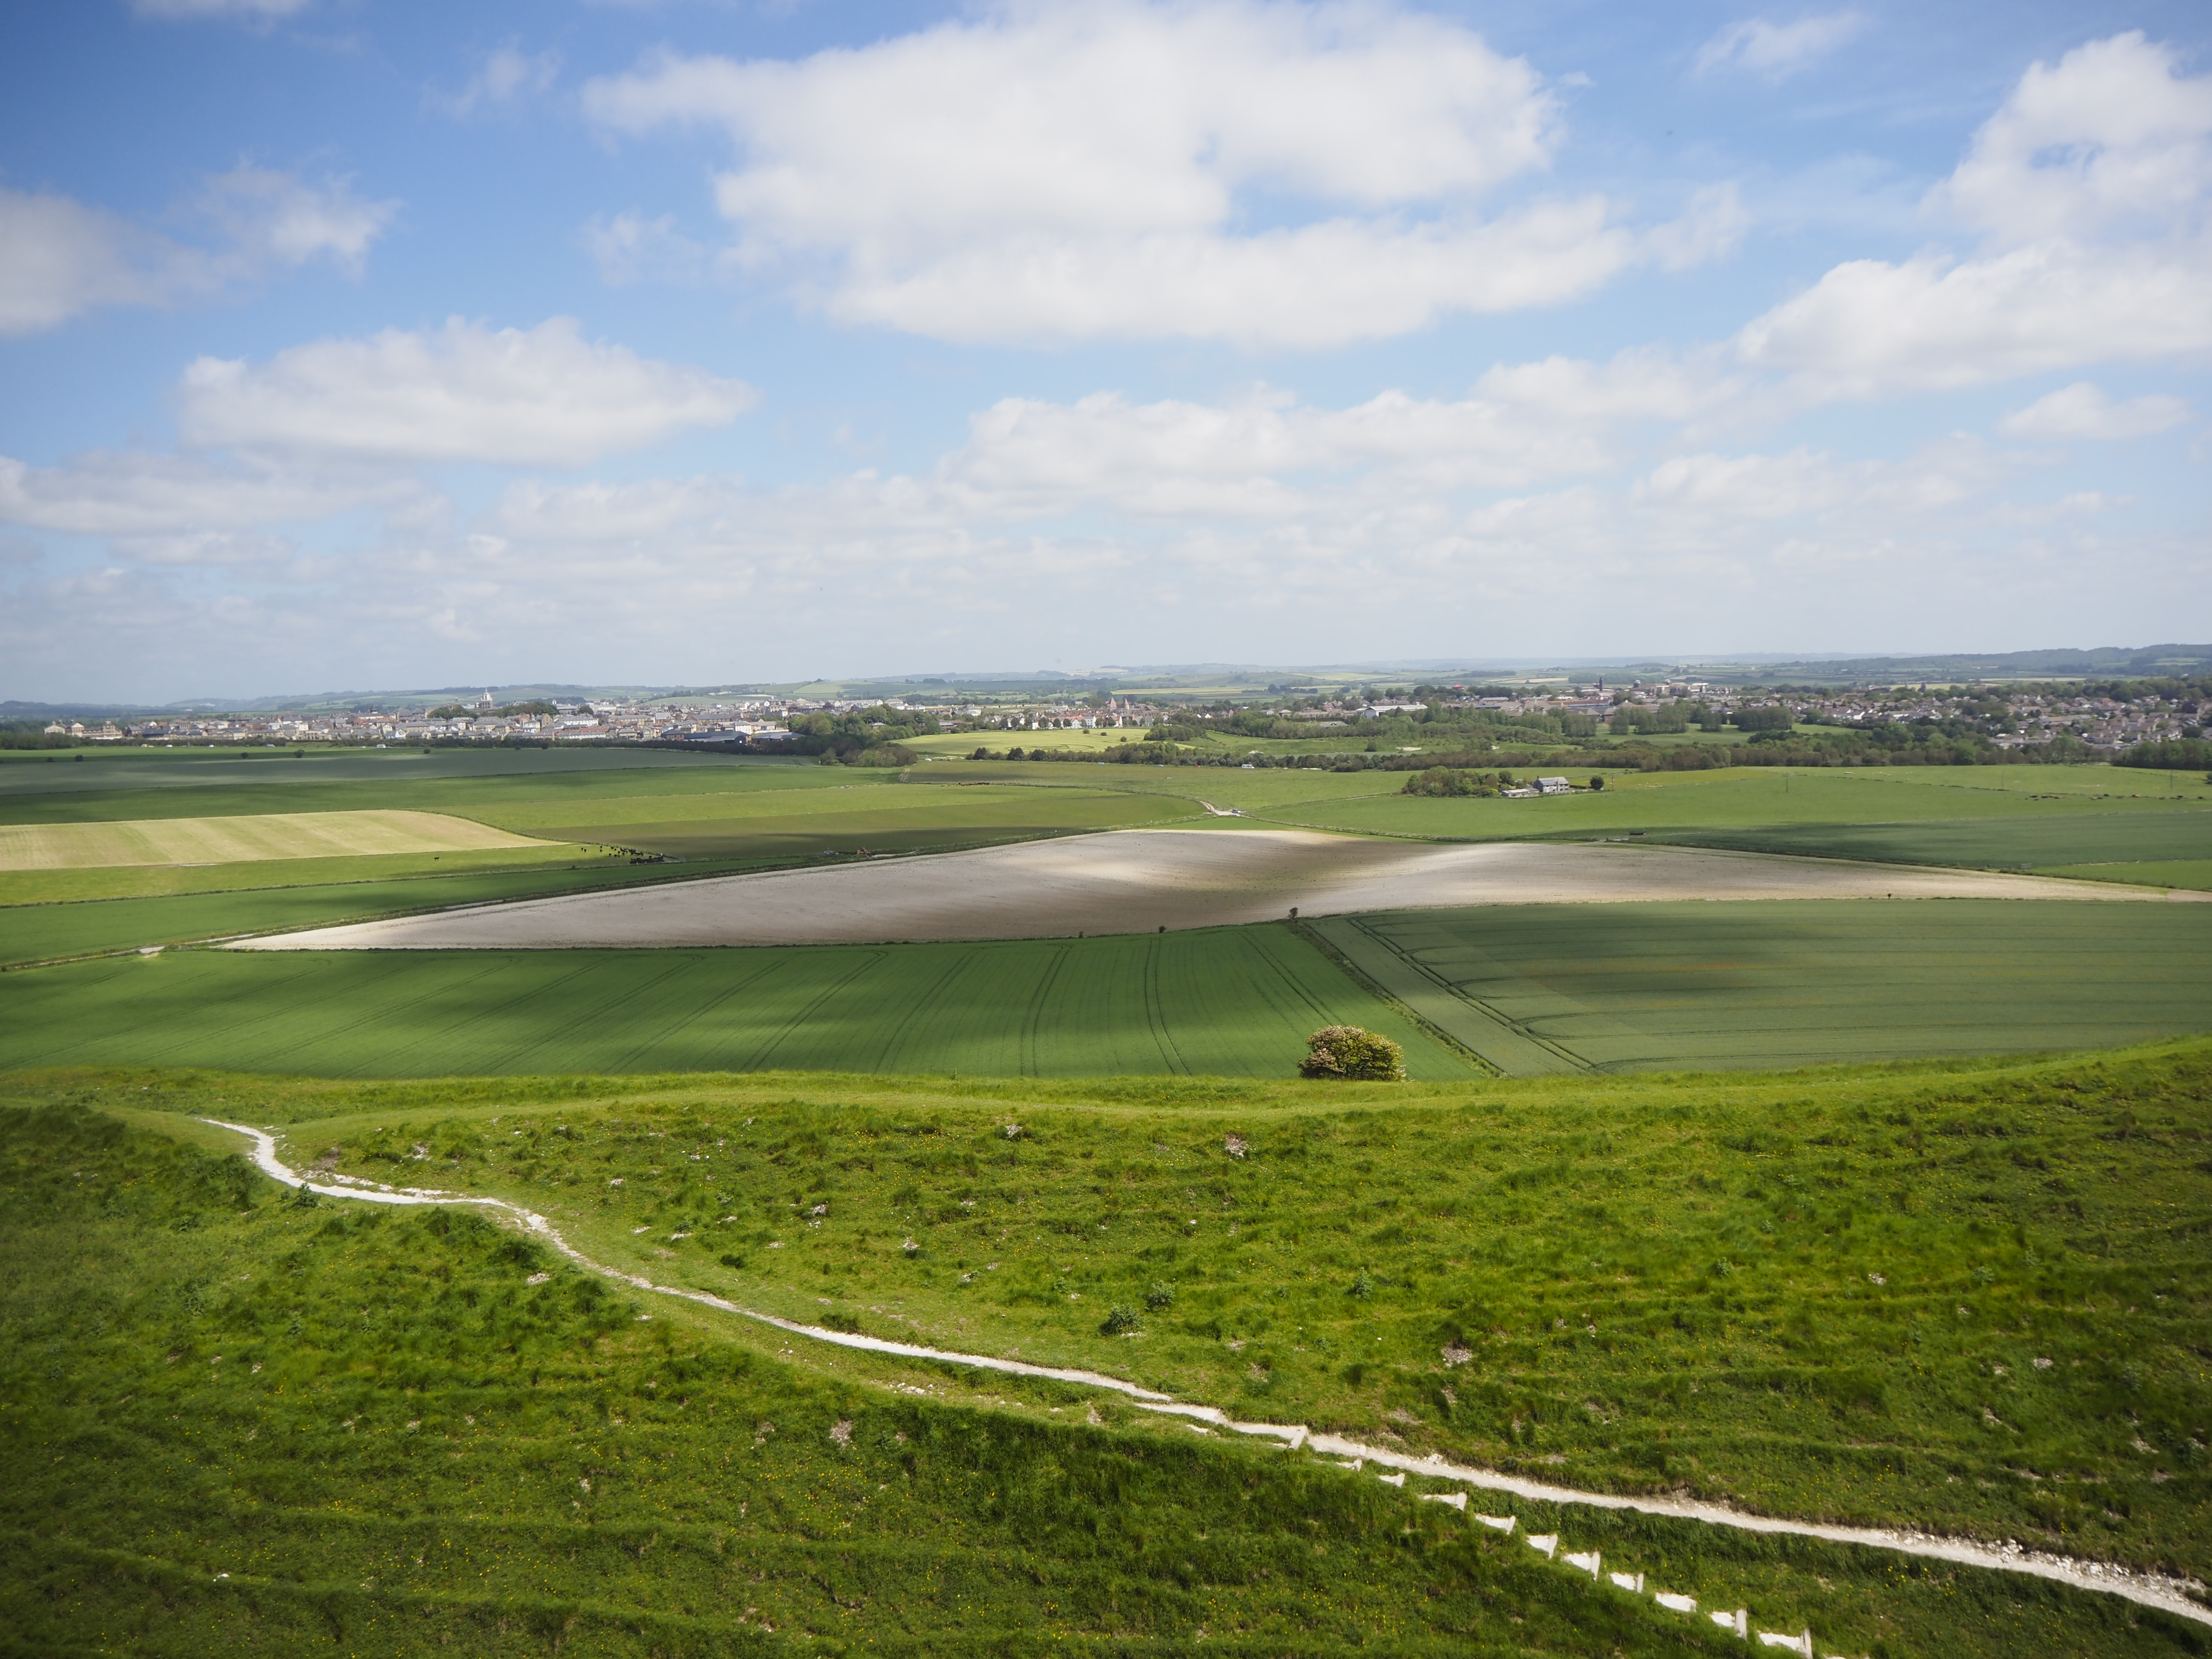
(2106, 718)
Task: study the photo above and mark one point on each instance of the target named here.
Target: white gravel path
(1135, 881)
(2173, 1595)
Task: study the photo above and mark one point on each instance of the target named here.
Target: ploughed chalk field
(1145, 880)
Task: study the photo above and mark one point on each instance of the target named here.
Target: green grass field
(1778, 984)
(1228, 1001)
(1531, 988)
(51, 887)
(277, 1427)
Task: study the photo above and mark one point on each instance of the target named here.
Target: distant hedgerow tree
(1348, 1051)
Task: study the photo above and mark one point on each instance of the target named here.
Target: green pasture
(1629, 987)
(1899, 815)
(42, 931)
(1228, 1001)
(231, 782)
(20, 887)
(799, 824)
(236, 1422)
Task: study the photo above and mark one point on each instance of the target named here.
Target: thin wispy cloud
(1775, 51)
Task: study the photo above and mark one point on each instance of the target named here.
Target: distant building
(1553, 786)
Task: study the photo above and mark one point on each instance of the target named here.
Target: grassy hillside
(1237, 1001)
(239, 1423)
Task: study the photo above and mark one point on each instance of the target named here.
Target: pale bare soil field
(244, 840)
(1141, 880)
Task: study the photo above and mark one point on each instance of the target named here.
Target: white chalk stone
(1587, 1562)
(1632, 1581)
(1674, 1603)
(1456, 1499)
(1546, 1542)
(1398, 1480)
(1355, 1465)
(1738, 1622)
(1789, 1643)
(1498, 1522)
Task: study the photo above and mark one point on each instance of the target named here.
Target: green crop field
(1227, 1001)
(1788, 983)
(284, 1426)
(1531, 988)
(359, 871)
(793, 824)
(229, 782)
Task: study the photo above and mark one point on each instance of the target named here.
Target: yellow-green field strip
(246, 839)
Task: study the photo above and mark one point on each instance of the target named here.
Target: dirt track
(1136, 881)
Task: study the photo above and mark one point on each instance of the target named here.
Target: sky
(350, 344)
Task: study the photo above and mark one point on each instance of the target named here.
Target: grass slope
(1232, 1001)
(236, 1422)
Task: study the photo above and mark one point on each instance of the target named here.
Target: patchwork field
(244, 840)
(1232, 1002)
(1143, 881)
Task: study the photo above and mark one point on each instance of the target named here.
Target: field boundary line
(1446, 1000)
(1311, 933)
(2167, 1593)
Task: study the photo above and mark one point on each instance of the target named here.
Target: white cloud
(1267, 173)
(279, 219)
(110, 493)
(2082, 410)
(1774, 51)
(2089, 185)
(2112, 139)
(631, 248)
(537, 397)
(507, 76)
(60, 259)
(261, 11)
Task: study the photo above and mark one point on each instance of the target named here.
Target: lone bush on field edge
(1348, 1051)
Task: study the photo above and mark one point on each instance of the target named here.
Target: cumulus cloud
(60, 259)
(537, 397)
(2082, 410)
(1775, 51)
(505, 77)
(1268, 173)
(279, 219)
(2111, 139)
(133, 493)
(1268, 455)
(2089, 186)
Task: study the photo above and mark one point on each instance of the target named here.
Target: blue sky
(351, 344)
